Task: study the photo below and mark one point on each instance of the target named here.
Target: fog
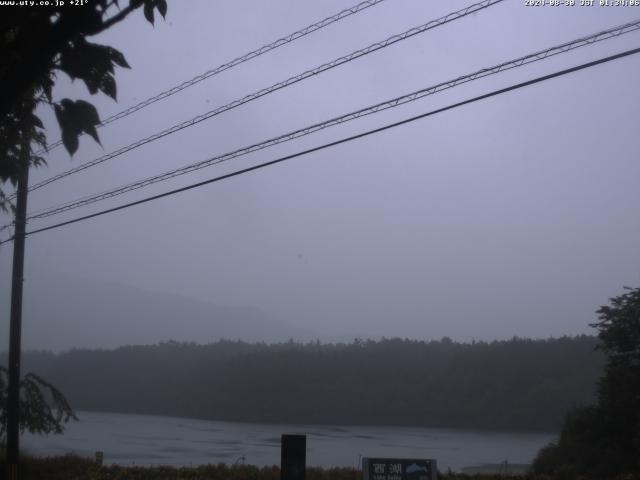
(514, 216)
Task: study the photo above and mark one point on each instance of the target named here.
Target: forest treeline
(517, 384)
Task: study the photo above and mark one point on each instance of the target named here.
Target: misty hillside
(512, 385)
(61, 313)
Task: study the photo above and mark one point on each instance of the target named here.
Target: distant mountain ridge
(62, 312)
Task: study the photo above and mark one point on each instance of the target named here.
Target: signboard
(398, 469)
(293, 457)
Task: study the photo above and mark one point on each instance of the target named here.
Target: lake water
(154, 440)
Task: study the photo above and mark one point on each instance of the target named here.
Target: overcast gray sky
(517, 215)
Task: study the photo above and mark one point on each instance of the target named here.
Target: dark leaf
(118, 58)
(92, 85)
(148, 11)
(89, 62)
(94, 134)
(59, 115)
(39, 138)
(86, 113)
(37, 161)
(104, 5)
(86, 118)
(36, 121)
(47, 85)
(8, 168)
(75, 118)
(75, 60)
(162, 7)
(91, 19)
(70, 140)
(64, 116)
(108, 86)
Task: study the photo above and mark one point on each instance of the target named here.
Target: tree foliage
(36, 44)
(43, 408)
(516, 384)
(603, 440)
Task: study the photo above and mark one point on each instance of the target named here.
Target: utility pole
(15, 327)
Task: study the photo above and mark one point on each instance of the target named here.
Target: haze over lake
(145, 439)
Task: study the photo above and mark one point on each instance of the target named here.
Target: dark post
(293, 457)
(15, 327)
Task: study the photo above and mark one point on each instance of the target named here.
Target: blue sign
(398, 469)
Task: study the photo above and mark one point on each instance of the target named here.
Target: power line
(5, 227)
(344, 140)
(392, 103)
(540, 55)
(233, 63)
(278, 86)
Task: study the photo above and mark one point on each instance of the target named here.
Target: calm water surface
(145, 440)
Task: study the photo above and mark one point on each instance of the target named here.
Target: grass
(72, 467)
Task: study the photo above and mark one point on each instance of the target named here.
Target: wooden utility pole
(15, 327)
